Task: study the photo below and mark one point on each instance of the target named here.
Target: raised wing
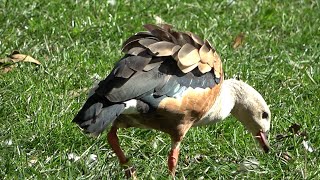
(163, 70)
(146, 51)
(186, 48)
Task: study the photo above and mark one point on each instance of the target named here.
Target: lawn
(77, 42)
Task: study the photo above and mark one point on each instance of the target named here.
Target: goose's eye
(265, 115)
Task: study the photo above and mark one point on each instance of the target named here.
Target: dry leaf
(294, 128)
(280, 137)
(15, 56)
(5, 61)
(8, 63)
(4, 68)
(238, 41)
(199, 157)
(286, 156)
(32, 161)
(249, 165)
(76, 93)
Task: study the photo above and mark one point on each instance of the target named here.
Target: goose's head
(252, 111)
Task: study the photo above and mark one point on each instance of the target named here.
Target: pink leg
(173, 157)
(175, 148)
(173, 160)
(113, 140)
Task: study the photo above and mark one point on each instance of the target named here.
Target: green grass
(78, 40)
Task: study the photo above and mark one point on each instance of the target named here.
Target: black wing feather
(137, 63)
(162, 80)
(120, 88)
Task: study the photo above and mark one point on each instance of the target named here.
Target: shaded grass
(78, 41)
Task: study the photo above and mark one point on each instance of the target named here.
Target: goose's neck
(229, 95)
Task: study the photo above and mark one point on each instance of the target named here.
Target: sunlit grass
(79, 41)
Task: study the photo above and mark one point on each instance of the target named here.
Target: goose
(170, 81)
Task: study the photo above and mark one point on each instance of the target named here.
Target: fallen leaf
(15, 56)
(280, 136)
(76, 93)
(32, 161)
(286, 156)
(8, 63)
(303, 134)
(238, 41)
(199, 157)
(4, 68)
(294, 128)
(249, 165)
(296, 64)
(5, 61)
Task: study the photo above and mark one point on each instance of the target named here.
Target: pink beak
(263, 141)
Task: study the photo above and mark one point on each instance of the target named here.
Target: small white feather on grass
(307, 146)
(73, 157)
(8, 142)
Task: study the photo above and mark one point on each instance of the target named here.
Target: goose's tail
(97, 113)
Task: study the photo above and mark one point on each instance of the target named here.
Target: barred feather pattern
(188, 49)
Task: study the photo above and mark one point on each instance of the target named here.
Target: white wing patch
(130, 107)
(180, 92)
